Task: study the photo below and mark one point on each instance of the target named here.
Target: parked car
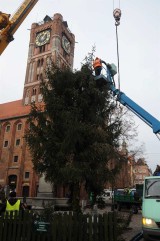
(106, 195)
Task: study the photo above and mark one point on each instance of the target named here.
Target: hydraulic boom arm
(130, 104)
(9, 26)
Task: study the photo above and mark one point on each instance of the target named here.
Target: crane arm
(130, 104)
(11, 25)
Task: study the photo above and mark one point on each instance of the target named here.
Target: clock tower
(50, 40)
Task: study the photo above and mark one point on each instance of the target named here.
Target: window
(40, 90)
(41, 77)
(5, 143)
(34, 91)
(15, 159)
(19, 126)
(33, 98)
(40, 97)
(38, 64)
(42, 48)
(25, 191)
(26, 175)
(49, 61)
(42, 62)
(8, 127)
(17, 142)
(152, 188)
(27, 93)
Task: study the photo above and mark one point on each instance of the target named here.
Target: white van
(107, 195)
(151, 208)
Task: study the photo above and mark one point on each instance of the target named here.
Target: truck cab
(151, 208)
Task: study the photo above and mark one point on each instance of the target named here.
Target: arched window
(42, 49)
(41, 77)
(25, 191)
(19, 126)
(38, 63)
(17, 143)
(34, 91)
(42, 61)
(8, 127)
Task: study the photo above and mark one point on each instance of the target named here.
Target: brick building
(123, 178)
(50, 39)
(132, 171)
(140, 171)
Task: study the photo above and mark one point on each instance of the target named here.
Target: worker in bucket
(97, 65)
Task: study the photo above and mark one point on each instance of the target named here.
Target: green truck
(130, 199)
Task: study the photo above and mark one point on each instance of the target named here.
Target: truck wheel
(134, 209)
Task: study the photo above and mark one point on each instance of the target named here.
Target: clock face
(43, 37)
(66, 44)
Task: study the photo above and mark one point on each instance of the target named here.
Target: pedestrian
(12, 204)
(97, 65)
(2, 196)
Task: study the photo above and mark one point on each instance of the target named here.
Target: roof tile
(13, 109)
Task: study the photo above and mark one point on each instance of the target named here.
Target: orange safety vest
(97, 63)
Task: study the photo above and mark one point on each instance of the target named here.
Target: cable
(117, 17)
(118, 58)
(158, 136)
(113, 4)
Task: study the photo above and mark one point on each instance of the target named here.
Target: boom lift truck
(126, 101)
(9, 26)
(151, 187)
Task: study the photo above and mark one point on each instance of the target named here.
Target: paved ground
(135, 225)
(134, 228)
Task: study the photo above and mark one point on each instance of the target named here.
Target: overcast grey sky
(92, 23)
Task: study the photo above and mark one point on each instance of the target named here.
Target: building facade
(131, 172)
(140, 171)
(50, 40)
